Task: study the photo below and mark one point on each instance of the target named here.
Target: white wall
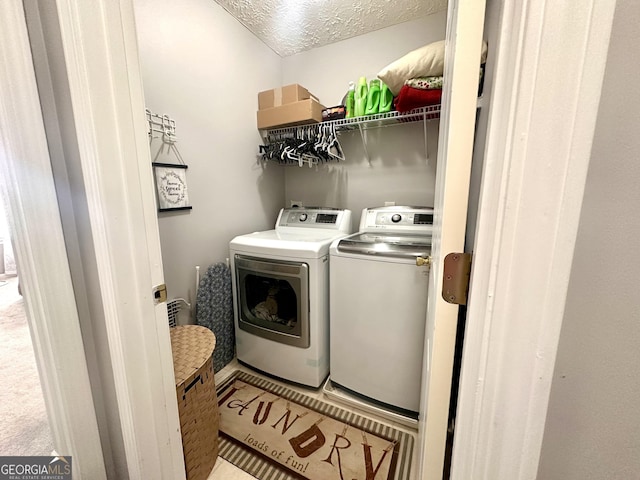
(203, 68)
(399, 169)
(593, 427)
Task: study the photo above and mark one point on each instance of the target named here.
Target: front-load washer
(281, 293)
(378, 306)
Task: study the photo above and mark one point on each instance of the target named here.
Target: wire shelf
(431, 112)
(361, 124)
(378, 120)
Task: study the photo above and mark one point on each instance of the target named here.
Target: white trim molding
(550, 64)
(26, 182)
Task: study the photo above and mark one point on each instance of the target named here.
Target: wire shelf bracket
(363, 134)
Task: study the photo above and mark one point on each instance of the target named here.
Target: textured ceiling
(293, 26)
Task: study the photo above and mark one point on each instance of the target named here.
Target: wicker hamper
(192, 348)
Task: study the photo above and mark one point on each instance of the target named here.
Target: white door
(549, 64)
(93, 66)
(465, 25)
(26, 183)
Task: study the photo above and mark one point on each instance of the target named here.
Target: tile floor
(224, 470)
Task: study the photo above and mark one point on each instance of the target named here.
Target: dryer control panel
(315, 217)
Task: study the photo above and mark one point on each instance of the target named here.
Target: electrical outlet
(296, 203)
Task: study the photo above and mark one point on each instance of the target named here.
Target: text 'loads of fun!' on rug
(277, 433)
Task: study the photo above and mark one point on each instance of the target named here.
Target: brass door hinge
(159, 294)
(455, 282)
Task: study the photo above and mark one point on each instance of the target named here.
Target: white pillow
(427, 61)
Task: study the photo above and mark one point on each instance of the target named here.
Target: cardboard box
(291, 114)
(277, 97)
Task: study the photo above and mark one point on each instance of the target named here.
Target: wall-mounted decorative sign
(171, 185)
(171, 178)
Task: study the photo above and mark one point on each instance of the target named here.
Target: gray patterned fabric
(214, 310)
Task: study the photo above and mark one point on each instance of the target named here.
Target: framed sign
(171, 185)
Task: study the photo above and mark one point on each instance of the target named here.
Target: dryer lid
(291, 244)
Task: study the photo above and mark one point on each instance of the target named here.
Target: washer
(379, 304)
(281, 293)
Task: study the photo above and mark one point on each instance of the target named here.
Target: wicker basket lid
(192, 346)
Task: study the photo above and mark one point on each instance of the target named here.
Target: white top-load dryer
(379, 304)
(281, 293)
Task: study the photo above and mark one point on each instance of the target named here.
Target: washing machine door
(273, 299)
(392, 245)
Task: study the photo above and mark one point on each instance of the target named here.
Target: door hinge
(159, 294)
(455, 281)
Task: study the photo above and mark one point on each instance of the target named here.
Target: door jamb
(541, 126)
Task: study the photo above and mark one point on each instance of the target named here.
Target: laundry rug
(274, 433)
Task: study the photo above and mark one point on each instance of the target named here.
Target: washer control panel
(409, 219)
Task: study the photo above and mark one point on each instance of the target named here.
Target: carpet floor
(25, 427)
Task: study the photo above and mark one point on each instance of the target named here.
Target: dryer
(379, 304)
(281, 293)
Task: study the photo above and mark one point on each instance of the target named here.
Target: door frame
(102, 74)
(489, 376)
(100, 67)
(26, 183)
(539, 137)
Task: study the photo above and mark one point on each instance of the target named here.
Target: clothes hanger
(335, 145)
